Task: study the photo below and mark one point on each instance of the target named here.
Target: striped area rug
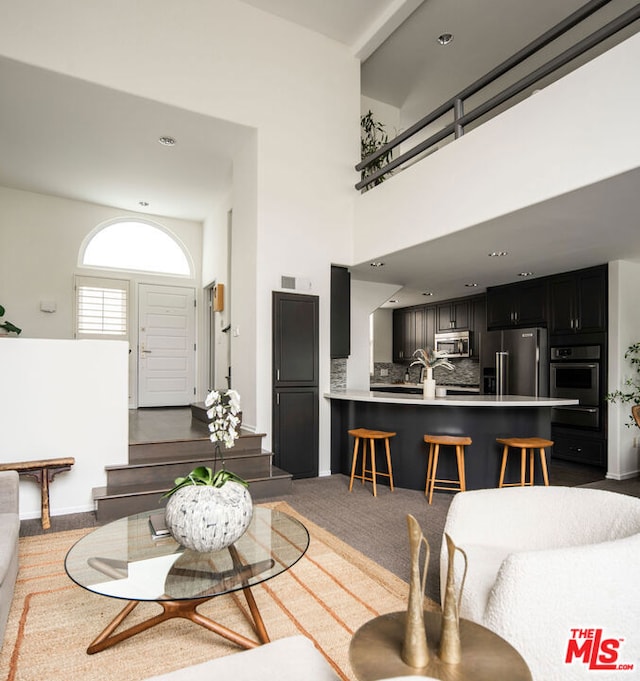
(326, 596)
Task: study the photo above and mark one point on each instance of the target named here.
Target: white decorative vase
(204, 518)
(429, 385)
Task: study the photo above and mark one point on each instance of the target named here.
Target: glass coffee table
(124, 560)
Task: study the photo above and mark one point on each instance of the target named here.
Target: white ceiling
(70, 138)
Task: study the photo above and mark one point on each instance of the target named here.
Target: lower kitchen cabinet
(295, 431)
(569, 447)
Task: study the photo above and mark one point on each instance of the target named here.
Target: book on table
(158, 526)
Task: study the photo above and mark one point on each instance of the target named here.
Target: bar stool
(524, 444)
(365, 434)
(435, 442)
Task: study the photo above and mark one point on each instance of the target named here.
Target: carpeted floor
(326, 596)
(377, 526)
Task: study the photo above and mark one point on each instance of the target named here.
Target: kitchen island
(482, 417)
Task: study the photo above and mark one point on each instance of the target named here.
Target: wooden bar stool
(365, 435)
(524, 444)
(435, 442)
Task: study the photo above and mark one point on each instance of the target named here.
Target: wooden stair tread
(197, 460)
(160, 488)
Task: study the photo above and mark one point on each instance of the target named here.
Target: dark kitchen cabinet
(407, 328)
(578, 302)
(453, 315)
(478, 323)
(340, 312)
(413, 327)
(517, 305)
(295, 383)
(295, 431)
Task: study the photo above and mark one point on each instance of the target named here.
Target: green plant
(372, 137)
(630, 392)
(204, 476)
(8, 325)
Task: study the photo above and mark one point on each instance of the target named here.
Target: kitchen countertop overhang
(451, 400)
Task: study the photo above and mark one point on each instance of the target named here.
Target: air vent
(295, 283)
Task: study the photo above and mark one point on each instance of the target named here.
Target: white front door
(166, 346)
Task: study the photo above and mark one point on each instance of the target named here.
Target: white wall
(41, 237)
(366, 297)
(383, 335)
(624, 330)
(573, 117)
(223, 58)
(64, 398)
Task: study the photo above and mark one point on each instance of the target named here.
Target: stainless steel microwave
(454, 343)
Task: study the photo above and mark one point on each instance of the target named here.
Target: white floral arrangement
(223, 410)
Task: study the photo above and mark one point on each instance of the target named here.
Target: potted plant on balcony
(372, 137)
(7, 327)
(209, 509)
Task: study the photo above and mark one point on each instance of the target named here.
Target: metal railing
(456, 103)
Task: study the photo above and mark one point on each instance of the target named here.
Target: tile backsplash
(466, 372)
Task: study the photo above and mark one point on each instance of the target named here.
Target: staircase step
(245, 463)
(118, 501)
(199, 412)
(164, 450)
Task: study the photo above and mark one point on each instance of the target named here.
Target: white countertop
(451, 400)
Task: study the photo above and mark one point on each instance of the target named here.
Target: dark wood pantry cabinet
(295, 383)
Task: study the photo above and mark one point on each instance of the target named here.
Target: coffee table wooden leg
(170, 609)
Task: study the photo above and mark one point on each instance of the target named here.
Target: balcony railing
(455, 105)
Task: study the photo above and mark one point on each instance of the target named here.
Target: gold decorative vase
(415, 651)
(450, 650)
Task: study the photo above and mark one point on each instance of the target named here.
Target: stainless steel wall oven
(575, 374)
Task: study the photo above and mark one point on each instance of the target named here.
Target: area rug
(326, 596)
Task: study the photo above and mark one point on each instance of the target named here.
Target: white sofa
(544, 561)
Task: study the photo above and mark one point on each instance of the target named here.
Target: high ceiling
(70, 138)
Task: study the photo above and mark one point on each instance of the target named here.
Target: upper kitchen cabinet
(517, 305)
(578, 301)
(454, 315)
(413, 327)
(340, 312)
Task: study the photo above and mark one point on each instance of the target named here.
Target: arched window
(135, 245)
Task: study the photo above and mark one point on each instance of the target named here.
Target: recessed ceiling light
(498, 254)
(471, 285)
(376, 263)
(427, 293)
(167, 141)
(144, 204)
(445, 38)
(525, 274)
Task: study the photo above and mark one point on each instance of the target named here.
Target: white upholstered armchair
(546, 560)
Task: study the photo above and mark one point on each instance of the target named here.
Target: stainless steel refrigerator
(515, 362)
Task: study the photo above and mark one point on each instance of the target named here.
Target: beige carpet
(326, 596)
